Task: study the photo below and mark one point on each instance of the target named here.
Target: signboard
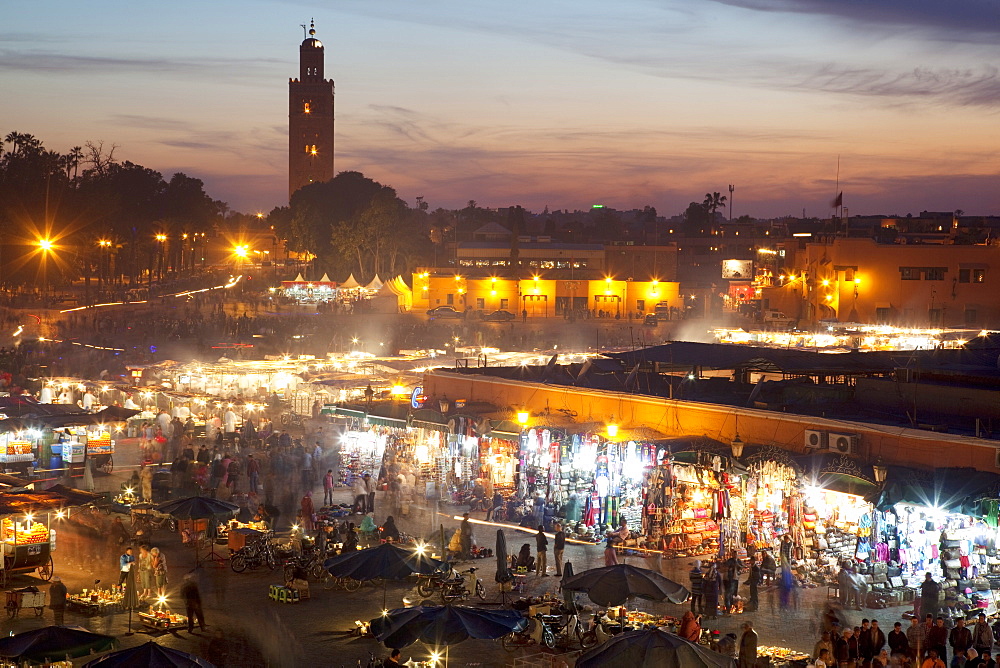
(418, 399)
(737, 269)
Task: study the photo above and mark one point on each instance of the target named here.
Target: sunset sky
(564, 103)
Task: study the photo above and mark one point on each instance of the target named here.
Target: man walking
(930, 592)
(748, 647)
(960, 641)
(328, 488)
(696, 578)
(465, 537)
(253, 472)
(937, 639)
(916, 639)
(541, 548)
(370, 493)
(982, 636)
(192, 601)
(558, 548)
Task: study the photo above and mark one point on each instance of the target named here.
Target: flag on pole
(838, 200)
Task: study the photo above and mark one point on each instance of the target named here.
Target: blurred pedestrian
(192, 602)
(57, 600)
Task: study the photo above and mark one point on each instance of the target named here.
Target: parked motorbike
(536, 633)
(463, 586)
(568, 629)
(428, 584)
(258, 553)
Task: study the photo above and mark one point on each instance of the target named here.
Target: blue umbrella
(388, 560)
(652, 647)
(53, 643)
(613, 585)
(149, 655)
(442, 625)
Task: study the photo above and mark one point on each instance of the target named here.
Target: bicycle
(347, 584)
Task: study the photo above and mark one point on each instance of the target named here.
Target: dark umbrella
(197, 508)
(503, 575)
(387, 560)
(130, 600)
(613, 585)
(53, 643)
(569, 597)
(114, 414)
(439, 625)
(248, 432)
(149, 655)
(652, 647)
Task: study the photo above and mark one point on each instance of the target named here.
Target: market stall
(27, 546)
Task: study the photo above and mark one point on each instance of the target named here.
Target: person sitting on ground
(524, 559)
(389, 530)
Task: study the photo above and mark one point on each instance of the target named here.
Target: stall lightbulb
(129, 490)
(162, 600)
(612, 430)
(60, 514)
(295, 527)
(385, 613)
(29, 518)
(522, 417)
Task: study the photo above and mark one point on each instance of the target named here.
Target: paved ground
(246, 629)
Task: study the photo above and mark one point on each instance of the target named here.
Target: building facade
(310, 119)
(860, 280)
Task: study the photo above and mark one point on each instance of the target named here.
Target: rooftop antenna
(304, 28)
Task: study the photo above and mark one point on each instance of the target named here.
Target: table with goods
(780, 656)
(162, 619)
(97, 601)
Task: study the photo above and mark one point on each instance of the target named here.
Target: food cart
(27, 546)
(781, 656)
(87, 441)
(28, 597)
(17, 450)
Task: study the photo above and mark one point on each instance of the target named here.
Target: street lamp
(46, 246)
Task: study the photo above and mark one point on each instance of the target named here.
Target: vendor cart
(28, 597)
(27, 547)
(101, 448)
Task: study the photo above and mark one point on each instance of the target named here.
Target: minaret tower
(310, 118)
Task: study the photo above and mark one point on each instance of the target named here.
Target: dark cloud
(966, 20)
(40, 61)
(962, 87)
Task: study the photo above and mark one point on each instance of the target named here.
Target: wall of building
(674, 418)
(858, 280)
(539, 296)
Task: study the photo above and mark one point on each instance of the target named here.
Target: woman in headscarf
(690, 629)
(389, 530)
(350, 539)
(524, 558)
(710, 588)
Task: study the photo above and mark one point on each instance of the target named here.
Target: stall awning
(952, 490)
(505, 429)
(837, 473)
(348, 412)
(386, 421)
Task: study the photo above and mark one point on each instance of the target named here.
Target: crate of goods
(301, 586)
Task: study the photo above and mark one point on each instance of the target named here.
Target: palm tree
(12, 138)
(712, 203)
(74, 157)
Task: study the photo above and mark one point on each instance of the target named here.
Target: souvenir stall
(768, 492)
(498, 457)
(97, 601)
(361, 451)
(836, 525)
(687, 502)
(620, 481)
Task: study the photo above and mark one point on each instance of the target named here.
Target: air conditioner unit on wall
(846, 444)
(815, 439)
(997, 462)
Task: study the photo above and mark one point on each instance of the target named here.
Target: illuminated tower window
(306, 108)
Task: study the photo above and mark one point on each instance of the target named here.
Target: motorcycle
(601, 630)
(259, 553)
(429, 583)
(146, 521)
(462, 587)
(568, 629)
(536, 633)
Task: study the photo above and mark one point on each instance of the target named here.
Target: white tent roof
(376, 284)
(350, 283)
(396, 286)
(299, 279)
(325, 279)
